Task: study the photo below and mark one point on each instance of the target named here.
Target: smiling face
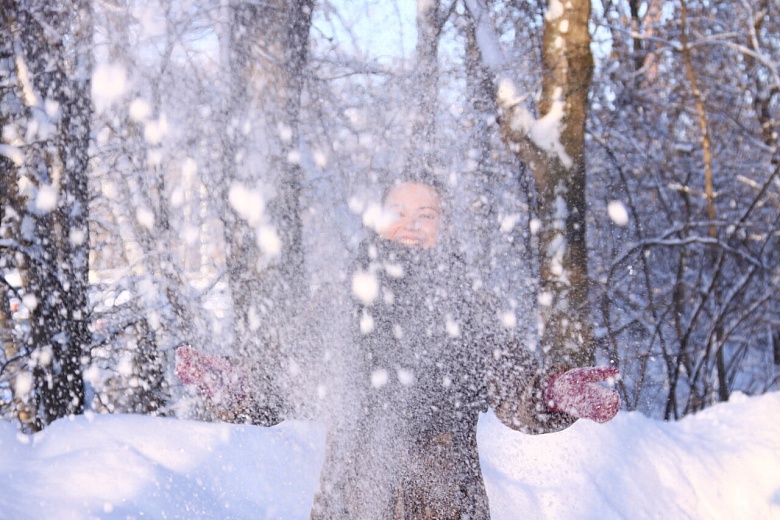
(417, 215)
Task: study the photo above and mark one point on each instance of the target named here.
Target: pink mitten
(214, 375)
(578, 392)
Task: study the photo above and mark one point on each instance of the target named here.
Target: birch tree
(144, 156)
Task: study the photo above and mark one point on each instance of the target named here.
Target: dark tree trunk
(267, 53)
(51, 81)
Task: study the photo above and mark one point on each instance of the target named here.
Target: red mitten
(214, 375)
(578, 392)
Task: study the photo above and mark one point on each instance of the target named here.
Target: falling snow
(617, 212)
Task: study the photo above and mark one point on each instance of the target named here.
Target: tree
(151, 155)
(552, 147)
(425, 88)
(267, 48)
(46, 117)
(685, 289)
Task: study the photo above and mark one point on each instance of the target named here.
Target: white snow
(156, 130)
(379, 378)
(145, 217)
(487, 40)
(546, 131)
(247, 202)
(254, 319)
(508, 319)
(269, 241)
(30, 301)
(378, 218)
(189, 168)
(23, 384)
(139, 110)
(720, 464)
(153, 319)
(28, 91)
(125, 366)
(13, 153)
(109, 83)
(394, 270)
(77, 237)
(320, 159)
(535, 225)
(365, 286)
(507, 95)
(356, 204)
(508, 222)
(405, 377)
(554, 10)
(294, 157)
(177, 197)
(285, 132)
(109, 189)
(617, 212)
(366, 323)
(46, 198)
(452, 327)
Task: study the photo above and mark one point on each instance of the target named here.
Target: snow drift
(721, 463)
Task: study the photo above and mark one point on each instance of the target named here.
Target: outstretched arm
(546, 401)
(526, 397)
(231, 391)
(581, 392)
(214, 376)
(543, 402)
(516, 392)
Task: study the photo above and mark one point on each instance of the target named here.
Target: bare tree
(46, 117)
(477, 174)
(685, 299)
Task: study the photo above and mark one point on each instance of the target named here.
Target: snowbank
(722, 463)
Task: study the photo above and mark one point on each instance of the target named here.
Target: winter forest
(193, 172)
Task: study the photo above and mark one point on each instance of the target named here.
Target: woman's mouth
(410, 242)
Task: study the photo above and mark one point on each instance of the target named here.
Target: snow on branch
(12, 153)
(487, 40)
(545, 132)
(30, 96)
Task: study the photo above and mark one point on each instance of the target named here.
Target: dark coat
(428, 355)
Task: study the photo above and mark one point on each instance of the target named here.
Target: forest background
(191, 171)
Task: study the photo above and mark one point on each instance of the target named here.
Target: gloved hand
(579, 392)
(214, 375)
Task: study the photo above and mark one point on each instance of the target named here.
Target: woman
(429, 354)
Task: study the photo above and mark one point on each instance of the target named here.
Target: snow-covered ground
(723, 463)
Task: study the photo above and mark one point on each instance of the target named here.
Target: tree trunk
(553, 149)
(476, 175)
(267, 52)
(421, 157)
(52, 60)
